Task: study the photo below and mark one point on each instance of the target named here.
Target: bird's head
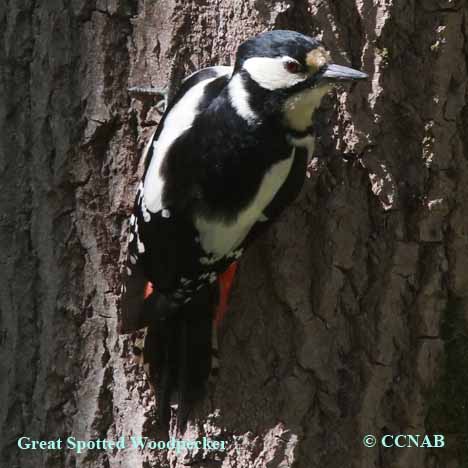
(285, 74)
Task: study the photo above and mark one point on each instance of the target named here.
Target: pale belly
(219, 238)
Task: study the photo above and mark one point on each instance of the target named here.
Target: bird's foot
(149, 92)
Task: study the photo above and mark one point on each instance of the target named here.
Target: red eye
(292, 66)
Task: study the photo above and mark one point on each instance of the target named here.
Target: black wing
(156, 243)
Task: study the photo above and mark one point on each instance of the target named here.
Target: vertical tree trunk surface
(349, 318)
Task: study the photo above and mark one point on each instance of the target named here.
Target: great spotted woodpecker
(229, 154)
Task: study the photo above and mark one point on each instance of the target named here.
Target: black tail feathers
(178, 353)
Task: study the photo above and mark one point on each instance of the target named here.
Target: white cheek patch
(270, 73)
(298, 109)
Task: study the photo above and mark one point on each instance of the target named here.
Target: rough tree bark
(348, 318)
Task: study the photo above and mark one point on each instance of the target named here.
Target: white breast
(218, 237)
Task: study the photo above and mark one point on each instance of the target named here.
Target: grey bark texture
(349, 318)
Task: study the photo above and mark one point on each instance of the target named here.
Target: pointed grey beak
(339, 73)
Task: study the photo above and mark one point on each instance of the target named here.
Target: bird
(228, 156)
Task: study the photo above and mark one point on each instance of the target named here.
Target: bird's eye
(292, 66)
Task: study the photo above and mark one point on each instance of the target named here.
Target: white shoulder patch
(179, 119)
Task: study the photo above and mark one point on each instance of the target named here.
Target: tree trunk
(349, 318)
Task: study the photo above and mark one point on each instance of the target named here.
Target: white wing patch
(219, 238)
(179, 119)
